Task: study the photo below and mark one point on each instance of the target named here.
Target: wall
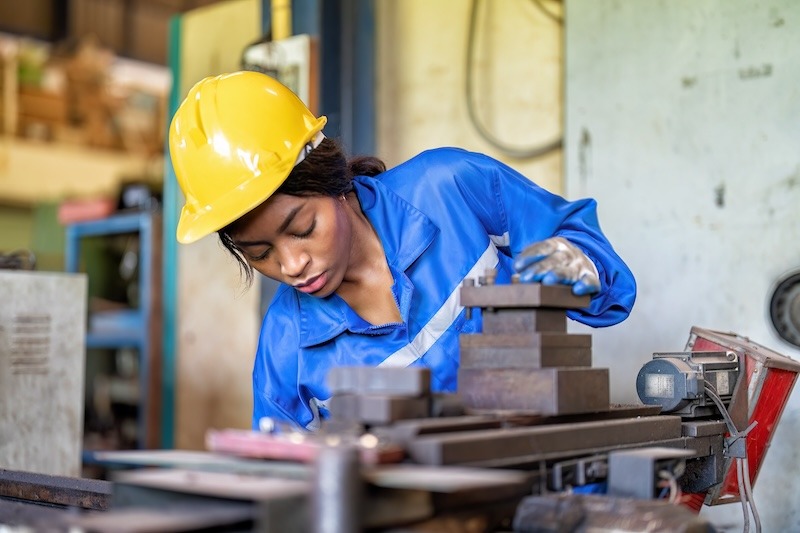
(682, 121)
(218, 319)
(420, 80)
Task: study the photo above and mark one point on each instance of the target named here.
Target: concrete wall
(682, 121)
(421, 74)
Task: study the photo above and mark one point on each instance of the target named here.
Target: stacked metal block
(375, 396)
(524, 359)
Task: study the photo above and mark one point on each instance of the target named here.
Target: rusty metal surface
(390, 381)
(514, 320)
(525, 357)
(549, 391)
(522, 295)
(603, 514)
(530, 442)
(55, 490)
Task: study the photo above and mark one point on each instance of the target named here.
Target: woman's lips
(313, 285)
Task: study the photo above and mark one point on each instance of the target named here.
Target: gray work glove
(556, 261)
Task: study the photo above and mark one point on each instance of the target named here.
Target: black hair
(325, 171)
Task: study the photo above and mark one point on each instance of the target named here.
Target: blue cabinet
(136, 326)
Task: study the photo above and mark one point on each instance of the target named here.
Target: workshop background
(680, 117)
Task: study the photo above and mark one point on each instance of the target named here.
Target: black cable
(549, 14)
(748, 489)
(742, 496)
(520, 153)
(712, 393)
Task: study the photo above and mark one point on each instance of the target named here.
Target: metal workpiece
(522, 295)
(388, 381)
(525, 350)
(549, 391)
(604, 514)
(513, 320)
(524, 445)
(375, 409)
(502, 357)
(338, 491)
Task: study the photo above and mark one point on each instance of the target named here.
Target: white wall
(682, 120)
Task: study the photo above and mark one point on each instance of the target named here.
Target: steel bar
(55, 490)
(474, 446)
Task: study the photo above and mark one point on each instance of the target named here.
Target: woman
(370, 260)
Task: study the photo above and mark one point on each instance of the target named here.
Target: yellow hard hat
(233, 141)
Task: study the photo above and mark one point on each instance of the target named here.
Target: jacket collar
(405, 233)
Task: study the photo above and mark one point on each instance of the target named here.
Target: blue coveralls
(443, 216)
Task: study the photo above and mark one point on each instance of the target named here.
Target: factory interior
(130, 362)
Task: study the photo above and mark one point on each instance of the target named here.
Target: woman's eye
(263, 255)
(307, 232)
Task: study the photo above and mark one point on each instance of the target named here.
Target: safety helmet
(233, 141)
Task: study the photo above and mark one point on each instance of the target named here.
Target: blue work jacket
(443, 216)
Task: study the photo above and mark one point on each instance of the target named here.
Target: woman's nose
(293, 262)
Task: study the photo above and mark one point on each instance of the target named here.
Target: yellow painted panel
(213, 38)
(218, 318)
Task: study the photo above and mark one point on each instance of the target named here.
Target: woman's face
(304, 242)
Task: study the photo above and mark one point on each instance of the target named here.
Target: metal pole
(337, 491)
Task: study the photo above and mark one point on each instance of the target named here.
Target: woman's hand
(556, 261)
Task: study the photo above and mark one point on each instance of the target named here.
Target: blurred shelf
(130, 327)
(32, 172)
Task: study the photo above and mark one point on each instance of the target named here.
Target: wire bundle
(742, 464)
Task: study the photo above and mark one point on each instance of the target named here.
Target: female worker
(370, 260)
